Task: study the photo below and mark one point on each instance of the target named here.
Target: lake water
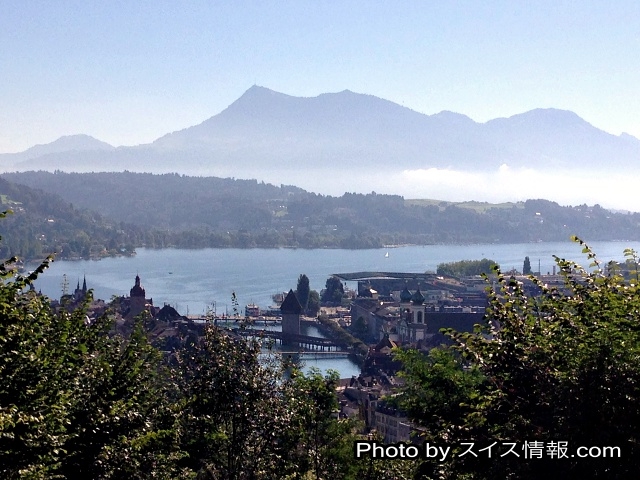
(195, 280)
(192, 280)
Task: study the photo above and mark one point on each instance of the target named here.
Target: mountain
(272, 136)
(269, 128)
(66, 144)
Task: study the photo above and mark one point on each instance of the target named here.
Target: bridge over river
(306, 341)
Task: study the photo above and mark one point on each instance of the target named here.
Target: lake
(192, 280)
(196, 280)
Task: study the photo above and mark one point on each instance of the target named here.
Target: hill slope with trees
(42, 223)
(177, 210)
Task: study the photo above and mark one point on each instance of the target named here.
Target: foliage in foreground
(79, 401)
(73, 399)
(563, 366)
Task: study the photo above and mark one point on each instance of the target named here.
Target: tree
(120, 422)
(74, 400)
(465, 268)
(234, 419)
(334, 291)
(35, 397)
(562, 366)
(315, 401)
(313, 306)
(360, 328)
(302, 291)
(526, 267)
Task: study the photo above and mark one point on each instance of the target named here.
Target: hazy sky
(127, 72)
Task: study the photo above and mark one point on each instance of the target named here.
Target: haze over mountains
(310, 142)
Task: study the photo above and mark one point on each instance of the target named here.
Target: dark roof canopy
(291, 304)
(417, 298)
(405, 295)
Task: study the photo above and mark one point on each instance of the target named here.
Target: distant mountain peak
(67, 143)
(260, 91)
(555, 115)
(550, 120)
(628, 137)
(78, 142)
(453, 116)
(257, 96)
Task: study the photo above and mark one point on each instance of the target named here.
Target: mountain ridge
(268, 132)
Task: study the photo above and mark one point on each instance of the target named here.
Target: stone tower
(138, 300)
(291, 310)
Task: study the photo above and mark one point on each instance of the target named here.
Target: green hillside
(42, 223)
(193, 212)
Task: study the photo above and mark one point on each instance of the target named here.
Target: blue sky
(128, 72)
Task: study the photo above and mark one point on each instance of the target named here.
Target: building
(392, 424)
(291, 310)
(80, 293)
(138, 301)
(412, 326)
(380, 360)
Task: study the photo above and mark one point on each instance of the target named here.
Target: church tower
(137, 297)
(417, 307)
(80, 293)
(413, 326)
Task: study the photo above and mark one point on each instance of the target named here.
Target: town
(388, 311)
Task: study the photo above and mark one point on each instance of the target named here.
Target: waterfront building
(291, 310)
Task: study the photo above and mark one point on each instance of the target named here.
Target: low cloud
(611, 190)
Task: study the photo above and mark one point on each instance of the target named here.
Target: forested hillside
(187, 211)
(42, 223)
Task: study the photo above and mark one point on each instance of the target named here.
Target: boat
(252, 310)
(386, 255)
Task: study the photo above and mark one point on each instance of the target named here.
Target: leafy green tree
(35, 397)
(313, 306)
(526, 267)
(562, 366)
(120, 423)
(234, 420)
(334, 291)
(74, 400)
(360, 328)
(325, 445)
(302, 291)
(465, 268)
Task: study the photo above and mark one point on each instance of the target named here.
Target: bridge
(306, 341)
